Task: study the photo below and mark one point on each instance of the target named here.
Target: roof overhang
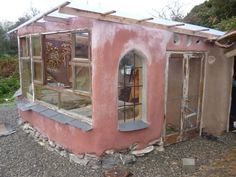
(68, 9)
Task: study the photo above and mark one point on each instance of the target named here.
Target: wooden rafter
(109, 12)
(200, 30)
(145, 19)
(117, 19)
(38, 17)
(175, 25)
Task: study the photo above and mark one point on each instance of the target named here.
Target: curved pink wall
(111, 41)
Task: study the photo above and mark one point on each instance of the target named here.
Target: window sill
(53, 115)
(132, 126)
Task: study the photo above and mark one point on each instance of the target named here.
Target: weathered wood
(123, 20)
(175, 25)
(200, 30)
(145, 19)
(109, 12)
(230, 53)
(38, 17)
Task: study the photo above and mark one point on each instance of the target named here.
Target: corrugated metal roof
(137, 16)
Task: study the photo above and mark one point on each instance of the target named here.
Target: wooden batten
(109, 12)
(175, 25)
(145, 19)
(55, 19)
(230, 53)
(116, 19)
(200, 30)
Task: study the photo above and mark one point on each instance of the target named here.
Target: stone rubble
(110, 159)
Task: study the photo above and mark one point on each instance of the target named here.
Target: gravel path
(21, 156)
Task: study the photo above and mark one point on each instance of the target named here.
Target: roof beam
(145, 19)
(109, 12)
(200, 30)
(40, 16)
(176, 25)
(55, 19)
(117, 19)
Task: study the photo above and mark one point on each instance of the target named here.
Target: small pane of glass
(46, 95)
(130, 87)
(81, 45)
(37, 71)
(82, 78)
(26, 78)
(77, 104)
(57, 58)
(24, 47)
(36, 45)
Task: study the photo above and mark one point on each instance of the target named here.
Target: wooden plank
(55, 19)
(145, 19)
(180, 24)
(32, 67)
(200, 30)
(109, 12)
(19, 62)
(231, 53)
(38, 17)
(123, 20)
(171, 139)
(166, 93)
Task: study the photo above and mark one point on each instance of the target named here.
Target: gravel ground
(21, 156)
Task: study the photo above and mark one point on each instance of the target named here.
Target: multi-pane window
(81, 62)
(25, 65)
(60, 66)
(130, 87)
(36, 44)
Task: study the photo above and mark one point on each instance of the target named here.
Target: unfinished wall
(217, 93)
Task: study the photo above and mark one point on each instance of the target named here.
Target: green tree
(8, 43)
(213, 14)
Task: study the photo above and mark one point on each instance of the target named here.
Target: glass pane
(36, 45)
(130, 87)
(46, 95)
(26, 77)
(57, 58)
(24, 47)
(174, 94)
(82, 78)
(37, 71)
(77, 104)
(82, 45)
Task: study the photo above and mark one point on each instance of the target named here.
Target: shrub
(9, 79)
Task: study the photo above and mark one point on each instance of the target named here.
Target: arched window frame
(141, 123)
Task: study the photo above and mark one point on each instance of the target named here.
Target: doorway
(232, 119)
(183, 96)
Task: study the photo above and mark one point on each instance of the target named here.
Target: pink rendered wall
(111, 41)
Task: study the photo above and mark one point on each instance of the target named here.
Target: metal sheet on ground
(6, 129)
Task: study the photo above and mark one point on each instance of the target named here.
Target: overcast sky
(10, 10)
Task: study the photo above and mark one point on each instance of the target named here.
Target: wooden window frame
(37, 59)
(87, 62)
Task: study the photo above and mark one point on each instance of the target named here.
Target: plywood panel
(217, 95)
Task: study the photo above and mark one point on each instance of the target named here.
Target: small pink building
(95, 80)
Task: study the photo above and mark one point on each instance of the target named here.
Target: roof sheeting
(55, 12)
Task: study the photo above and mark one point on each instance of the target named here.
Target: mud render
(94, 80)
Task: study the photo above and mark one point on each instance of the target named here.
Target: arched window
(131, 87)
